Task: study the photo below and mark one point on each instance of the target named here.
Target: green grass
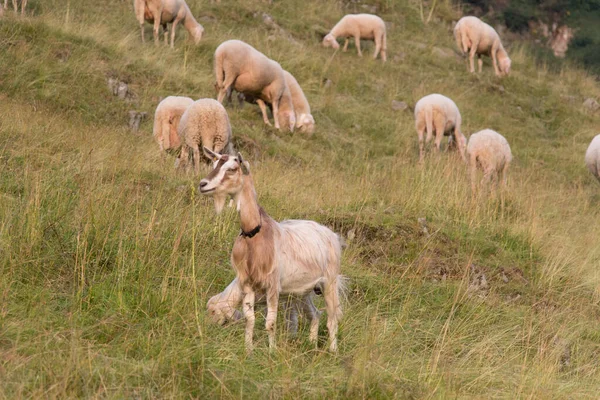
(108, 255)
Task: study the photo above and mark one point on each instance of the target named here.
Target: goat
(288, 257)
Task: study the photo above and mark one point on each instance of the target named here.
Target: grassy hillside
(108, 255)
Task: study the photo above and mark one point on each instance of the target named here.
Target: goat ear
(243, 164)
(211, 154)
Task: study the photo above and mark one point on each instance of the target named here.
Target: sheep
(359, 26)
(15, 6)
(304, 120)
(222, 308)
(476, 37)
(490, 151)
(205, 122)
(241, 67)
(162, 12)
(166, 120)
(439, 113)
(288, 257)
(592, 157)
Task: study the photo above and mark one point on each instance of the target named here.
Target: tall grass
(108, 255)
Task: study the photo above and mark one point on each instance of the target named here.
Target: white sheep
(592, 157)
(166, 121)
(304, 119)
(476, 37)
(163, 12)
(288, 257)
(359, 26)
(489, 151)
(222, 308)
(438, 113)
(241, 67)
(204, 123)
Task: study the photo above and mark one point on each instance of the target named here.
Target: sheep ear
(211, 154)
(243, 164)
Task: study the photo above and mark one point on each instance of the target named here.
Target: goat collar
(252, 233)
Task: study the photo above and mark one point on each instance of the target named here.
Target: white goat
(289, 257)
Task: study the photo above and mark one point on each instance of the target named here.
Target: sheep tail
(429, 121)
(219, 72)
(458, 38)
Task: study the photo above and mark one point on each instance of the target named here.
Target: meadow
(108, 254)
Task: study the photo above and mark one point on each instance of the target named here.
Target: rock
(399, 106)
(398, 57)
(113, 85)
(327, 83)
(135, 119)
(591, 104)
(207, 19)
(418, 45)
(423, 223)
(122, 90)
(443, 52)
(369, 8)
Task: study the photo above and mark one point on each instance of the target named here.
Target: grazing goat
(288, 257)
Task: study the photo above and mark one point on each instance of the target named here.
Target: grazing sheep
(204, 123)
(359, 26)
(304, 120)
(592, 157)
(241, 67)
(490, 151)
(163, 12)
(440, 114)
(222, 308)
(288, 257)
(476, 37)
(166, 120)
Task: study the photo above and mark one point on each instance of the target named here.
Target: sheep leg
(23, 5)
(421, 133)
(383, 47)
(504, 175)
(15, 6)
(346, 45)
(440, 124)
(357, 43)
(377, 46)
(226, 88)
(479, 63)
(291, 315)
(272, 302)
(183, 157)
(164, 140)
(173, 26)
(495, 60)
(156, 13)
(460, 144)
(165, 33)
(5, 4)
(248, 309)
(196, 159)
(472, 57)
(473, 172)
(276, 113)
(263, 109)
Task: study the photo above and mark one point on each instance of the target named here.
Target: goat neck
(249, 210)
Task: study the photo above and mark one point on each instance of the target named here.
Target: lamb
(592, 157)
(166, 121)
(204, 123)
(288, 257)
(222, 308)
(359, 26)
(439, 113)
(162, 12)
(241, 67)
(490, 151)
(476, 37)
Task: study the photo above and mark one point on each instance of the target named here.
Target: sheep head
(330, 41)
(504, 63)
(197, 33)
(221, 312)
(306, 123)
